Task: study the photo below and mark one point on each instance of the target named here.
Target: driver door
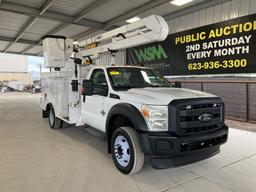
(93, 113)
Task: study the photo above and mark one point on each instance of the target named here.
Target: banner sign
(221, 48)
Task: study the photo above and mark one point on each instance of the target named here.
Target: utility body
(136, 108)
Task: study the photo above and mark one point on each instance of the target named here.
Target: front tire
(126, 150)
(54, 122)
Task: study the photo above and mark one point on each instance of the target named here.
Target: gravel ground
(241, 125)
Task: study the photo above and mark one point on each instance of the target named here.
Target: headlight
(156, 117)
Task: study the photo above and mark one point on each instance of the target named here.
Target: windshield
(127, 78)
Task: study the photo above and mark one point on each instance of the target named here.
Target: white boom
(58, 50)
(147, 30)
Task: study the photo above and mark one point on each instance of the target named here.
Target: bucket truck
(137, 110)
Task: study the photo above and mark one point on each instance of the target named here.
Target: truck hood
(160, 96)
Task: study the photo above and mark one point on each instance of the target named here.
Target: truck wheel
(126, 150)
(54, 122)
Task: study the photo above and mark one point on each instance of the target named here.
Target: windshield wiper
(158, 85)
(152, 85)
(124, 86)
(155, 86)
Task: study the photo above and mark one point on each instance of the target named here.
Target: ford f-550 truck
(136, 108)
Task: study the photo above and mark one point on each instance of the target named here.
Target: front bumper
(166, 150)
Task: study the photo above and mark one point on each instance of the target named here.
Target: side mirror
(87, 87)
(78, 61)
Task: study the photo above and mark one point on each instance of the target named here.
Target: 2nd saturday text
(223, 47)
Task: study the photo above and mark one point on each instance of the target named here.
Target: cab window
(98, 78)
(100, 86)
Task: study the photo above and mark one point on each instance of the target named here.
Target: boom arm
(58, 49)
(147, 30)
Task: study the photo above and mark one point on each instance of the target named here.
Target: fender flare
(130, 112)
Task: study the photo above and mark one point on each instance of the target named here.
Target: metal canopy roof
(24, 22)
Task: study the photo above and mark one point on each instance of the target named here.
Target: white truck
(136, 109)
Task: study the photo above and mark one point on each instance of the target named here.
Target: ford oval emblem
(205, 117)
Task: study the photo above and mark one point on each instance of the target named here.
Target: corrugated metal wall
(232, 93)
(105, 59)
(252, 100)
(218, 13)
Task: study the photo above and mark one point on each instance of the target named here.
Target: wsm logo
(150, 53)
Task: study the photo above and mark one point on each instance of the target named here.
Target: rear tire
(54, 122)
(126, 150)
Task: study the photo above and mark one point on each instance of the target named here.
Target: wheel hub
(122, 150)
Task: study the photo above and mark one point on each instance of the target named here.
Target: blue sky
(33, 66)
(34, 62)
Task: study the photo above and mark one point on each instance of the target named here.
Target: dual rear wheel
(54, 122)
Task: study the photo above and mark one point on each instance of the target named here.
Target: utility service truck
(137, 110)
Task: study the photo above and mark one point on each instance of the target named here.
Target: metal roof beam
(150, 5)
(122, 17)
(26, 49)
(29, 42)
(24, 28)
(127, 15)
(140, 9)
(17, 53)
(203, 5)
(31, 21)
(89, 8)
(48, 15)
(77, 18)
(193, 8)
(46, 6)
